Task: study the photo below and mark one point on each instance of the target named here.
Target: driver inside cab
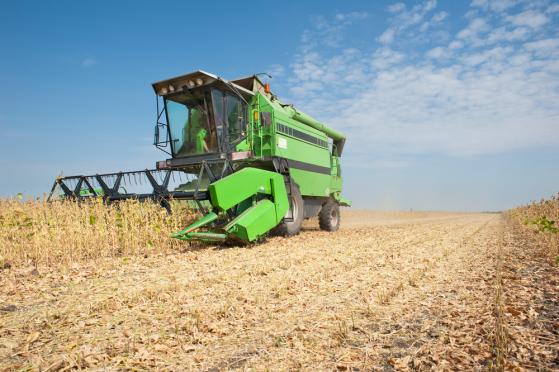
(195, 132)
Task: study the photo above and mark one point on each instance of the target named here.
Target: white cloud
(489, 55)
(472, 32)
(89, 62)
(383, 58)
(502, 34)
(553, 9)
(502, 5)
(396, 8)
(495, 5)
(404, 18)
(547, 44)
(546, 48)
(481, 3)
(387, 36)
(504, 27)
(492, 87)
(530, 18)
(438, 53)
(438, 17)
(455, 44)
(415, 15)
(276, 70)
(348, 18)
(329, 33)
(452, 110)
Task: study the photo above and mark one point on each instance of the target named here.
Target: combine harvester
(252, 164)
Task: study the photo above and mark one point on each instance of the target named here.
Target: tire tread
(324, 217)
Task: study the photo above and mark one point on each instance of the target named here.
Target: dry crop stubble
(393, 290)
(63, 233)
(317, 300)
(530, 283)
(538, 224)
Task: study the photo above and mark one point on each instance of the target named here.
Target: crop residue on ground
(388, 291)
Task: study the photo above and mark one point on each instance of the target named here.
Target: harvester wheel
(329, 216)
(297, 210)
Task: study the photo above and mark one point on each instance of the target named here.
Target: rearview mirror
(156, 135)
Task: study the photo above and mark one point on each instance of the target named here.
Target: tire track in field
(448, 322)
(340, 325)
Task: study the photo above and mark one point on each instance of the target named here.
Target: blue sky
(448, 105)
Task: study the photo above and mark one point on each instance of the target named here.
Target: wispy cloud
(495, 5)
(276, 70)
(89, 62)
(387, 36)
(492, 87)
(329, 32)
(403, 18)
(396, 8)
(475, 31)
(530, 18)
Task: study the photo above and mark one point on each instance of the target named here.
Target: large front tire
(297, 210)
(329, 216)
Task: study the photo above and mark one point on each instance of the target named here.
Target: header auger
(249, 163)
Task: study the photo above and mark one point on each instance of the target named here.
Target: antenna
(264, 73)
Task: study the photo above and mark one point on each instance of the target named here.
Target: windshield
(190, 129)
(205, 122)
(230, 112)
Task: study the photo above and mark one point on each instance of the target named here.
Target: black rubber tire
(329, 216)
(292, 228)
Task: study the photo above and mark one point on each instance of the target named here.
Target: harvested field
(388, 291)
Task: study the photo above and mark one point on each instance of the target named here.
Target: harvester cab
(252, 165)
(202, 118)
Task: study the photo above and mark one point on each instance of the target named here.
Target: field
(389, 291)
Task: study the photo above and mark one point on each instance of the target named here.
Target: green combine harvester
(251, 164)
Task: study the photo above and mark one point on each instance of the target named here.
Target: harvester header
(252, 164)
